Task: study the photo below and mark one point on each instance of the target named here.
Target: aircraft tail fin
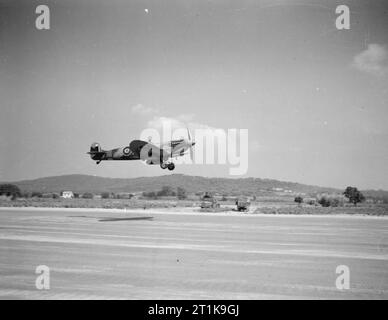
(95, 150)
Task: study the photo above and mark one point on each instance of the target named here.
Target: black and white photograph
(193, 150)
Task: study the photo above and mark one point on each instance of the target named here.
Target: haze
(313, 98)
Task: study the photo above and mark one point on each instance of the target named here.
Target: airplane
(146, 151)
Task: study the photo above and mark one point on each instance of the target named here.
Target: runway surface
(144, 254)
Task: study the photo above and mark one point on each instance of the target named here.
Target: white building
(67, 194)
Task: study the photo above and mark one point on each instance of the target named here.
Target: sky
(313, 98)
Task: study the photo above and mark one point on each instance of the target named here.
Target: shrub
(105, 195)
(181, 193)
(36, 194)
(87, 195)
(311, 202)
(298, 199)
(122, 195)
(324, 201)
(330, 200)
(151, 195)
(165, 192)
(10, 190)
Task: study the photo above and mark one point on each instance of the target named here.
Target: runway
(149, 254)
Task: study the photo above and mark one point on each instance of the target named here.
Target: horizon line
(181, 174)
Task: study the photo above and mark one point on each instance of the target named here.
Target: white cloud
(160, 122)
(161, 128)
(176, 125)
(143, 110)
(187, 117)
(180, 121)
(157, 119)
(373, 60)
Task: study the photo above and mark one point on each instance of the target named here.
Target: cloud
(177, 125)
(373, 60)
(186, 117)
(160, 122)
(143, 110)
(177, 122)
(164, 127)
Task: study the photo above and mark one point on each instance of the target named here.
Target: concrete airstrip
(182, 254)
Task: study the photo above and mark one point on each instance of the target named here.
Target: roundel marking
(126, 151)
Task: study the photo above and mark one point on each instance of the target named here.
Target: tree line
(353, 195)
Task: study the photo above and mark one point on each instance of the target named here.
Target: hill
(193, 184)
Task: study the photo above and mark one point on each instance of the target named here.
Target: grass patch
(370, 210)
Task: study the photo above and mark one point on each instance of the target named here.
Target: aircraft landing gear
(167, 165)
(171, 166)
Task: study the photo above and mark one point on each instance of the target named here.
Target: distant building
(67, 195)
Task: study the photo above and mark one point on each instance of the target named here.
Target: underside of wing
(147, 151)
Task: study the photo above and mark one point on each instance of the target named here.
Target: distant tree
(36, 194)
(298, 199)
(207, 195)
(330, 200)
(334, 202)
(87, 195)
(354, 195)
(105, 195)
(151, 195)
(10, 190)
(181, 193)
(165, 192)
(324, 201)
(311, 202)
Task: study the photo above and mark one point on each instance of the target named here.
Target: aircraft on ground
(146, 151)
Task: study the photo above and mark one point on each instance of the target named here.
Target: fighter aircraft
(146, 151)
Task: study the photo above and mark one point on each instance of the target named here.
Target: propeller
(191, 144)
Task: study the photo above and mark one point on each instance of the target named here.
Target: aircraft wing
(148, 151)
